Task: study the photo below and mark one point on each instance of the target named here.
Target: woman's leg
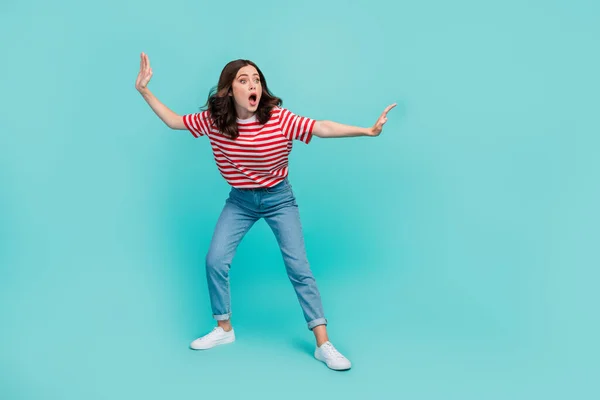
(286, 225)
(233, 223)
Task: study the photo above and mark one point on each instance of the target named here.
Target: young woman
(251, 137)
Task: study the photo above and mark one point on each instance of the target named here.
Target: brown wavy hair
(221, 106)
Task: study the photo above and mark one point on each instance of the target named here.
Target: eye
(242, 81)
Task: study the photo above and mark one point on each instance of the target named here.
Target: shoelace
(332, 351)
(211, 333)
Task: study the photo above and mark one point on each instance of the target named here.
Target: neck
(242, 113)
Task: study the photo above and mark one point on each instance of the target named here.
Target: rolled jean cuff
(222, 317)
(316, 322)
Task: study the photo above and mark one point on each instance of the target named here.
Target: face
(246, 91)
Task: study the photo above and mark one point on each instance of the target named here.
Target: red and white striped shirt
(259, 156)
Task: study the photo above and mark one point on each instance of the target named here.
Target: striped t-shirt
(259, 156)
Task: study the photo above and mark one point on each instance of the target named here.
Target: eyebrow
(247, 75)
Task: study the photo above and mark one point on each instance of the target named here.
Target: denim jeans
(277, 205)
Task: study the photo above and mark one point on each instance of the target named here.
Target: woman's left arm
(330, 129)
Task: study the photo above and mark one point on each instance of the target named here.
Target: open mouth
(253, 99)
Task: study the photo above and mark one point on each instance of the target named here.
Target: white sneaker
(333, 358)
(216, 337)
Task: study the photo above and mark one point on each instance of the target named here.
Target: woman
(251, 137)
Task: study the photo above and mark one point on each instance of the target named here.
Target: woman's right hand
(145, 73)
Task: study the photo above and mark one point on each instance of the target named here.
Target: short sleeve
(295, 127)
(198, 124)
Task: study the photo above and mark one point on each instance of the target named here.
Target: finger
(388, 108)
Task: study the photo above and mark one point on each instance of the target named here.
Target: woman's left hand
(376, 129)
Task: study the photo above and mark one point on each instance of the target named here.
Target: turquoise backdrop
(457, 253)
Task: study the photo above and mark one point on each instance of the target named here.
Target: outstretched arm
(330, 129)
(170, 118)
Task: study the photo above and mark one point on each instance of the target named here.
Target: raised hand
(376, 129)
(145, 73)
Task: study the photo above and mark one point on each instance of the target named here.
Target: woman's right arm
(170, 118)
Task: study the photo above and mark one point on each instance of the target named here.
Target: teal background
(457, 254)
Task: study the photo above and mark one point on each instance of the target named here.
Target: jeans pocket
(279, 188)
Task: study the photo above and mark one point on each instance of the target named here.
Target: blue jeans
(277, 205)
